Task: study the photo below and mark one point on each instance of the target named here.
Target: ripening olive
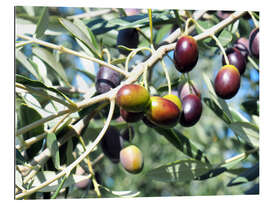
(163, 112)
(227, 82)
(173, 98)
(192, 110)
(133, 98)
(131, 159)
(186, 54)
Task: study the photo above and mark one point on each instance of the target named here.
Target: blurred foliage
(55, 73)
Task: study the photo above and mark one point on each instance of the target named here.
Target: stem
(59, 187)
(108, 55)
(133, 53)
(221, 49)
(96, 188)
(150, 25)
(186, 26)
(167, 76)
(72, 52)
(20, 44)
(145, 78)
(240, 156)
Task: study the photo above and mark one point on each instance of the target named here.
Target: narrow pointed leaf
(182, 143)
(43, 23)
(53, 147)
(183, 170)
(246, 131)
(50, 59)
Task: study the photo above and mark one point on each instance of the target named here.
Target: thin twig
(75, 53)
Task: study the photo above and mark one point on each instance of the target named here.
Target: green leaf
(50, 59)
(53, 147)
(37, 84)
(206, 25)
(182, 143)
(81, 32)
(86, 73)
(24, 61)
(43, 23)
(183, 170)
(247, 131)
(18, 179)
(19, 158)
(93, 39)
(101, 26)
(43, 176)
(216, 109)
(249, 174)
(161, 33)
(237, 116)
(26, 116)
(69, 151)
(225, 37)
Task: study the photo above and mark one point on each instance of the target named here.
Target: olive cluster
(185, 107)
(227, 81)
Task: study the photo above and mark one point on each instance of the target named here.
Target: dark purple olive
(235, 58)
(227, 82)
(111, 144)
(254, 42)
(242, 45)
(186, 54)
(192, 110)
(129, 38)
(131, 117)
(107, 79)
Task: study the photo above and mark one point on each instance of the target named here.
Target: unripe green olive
(131, 159)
